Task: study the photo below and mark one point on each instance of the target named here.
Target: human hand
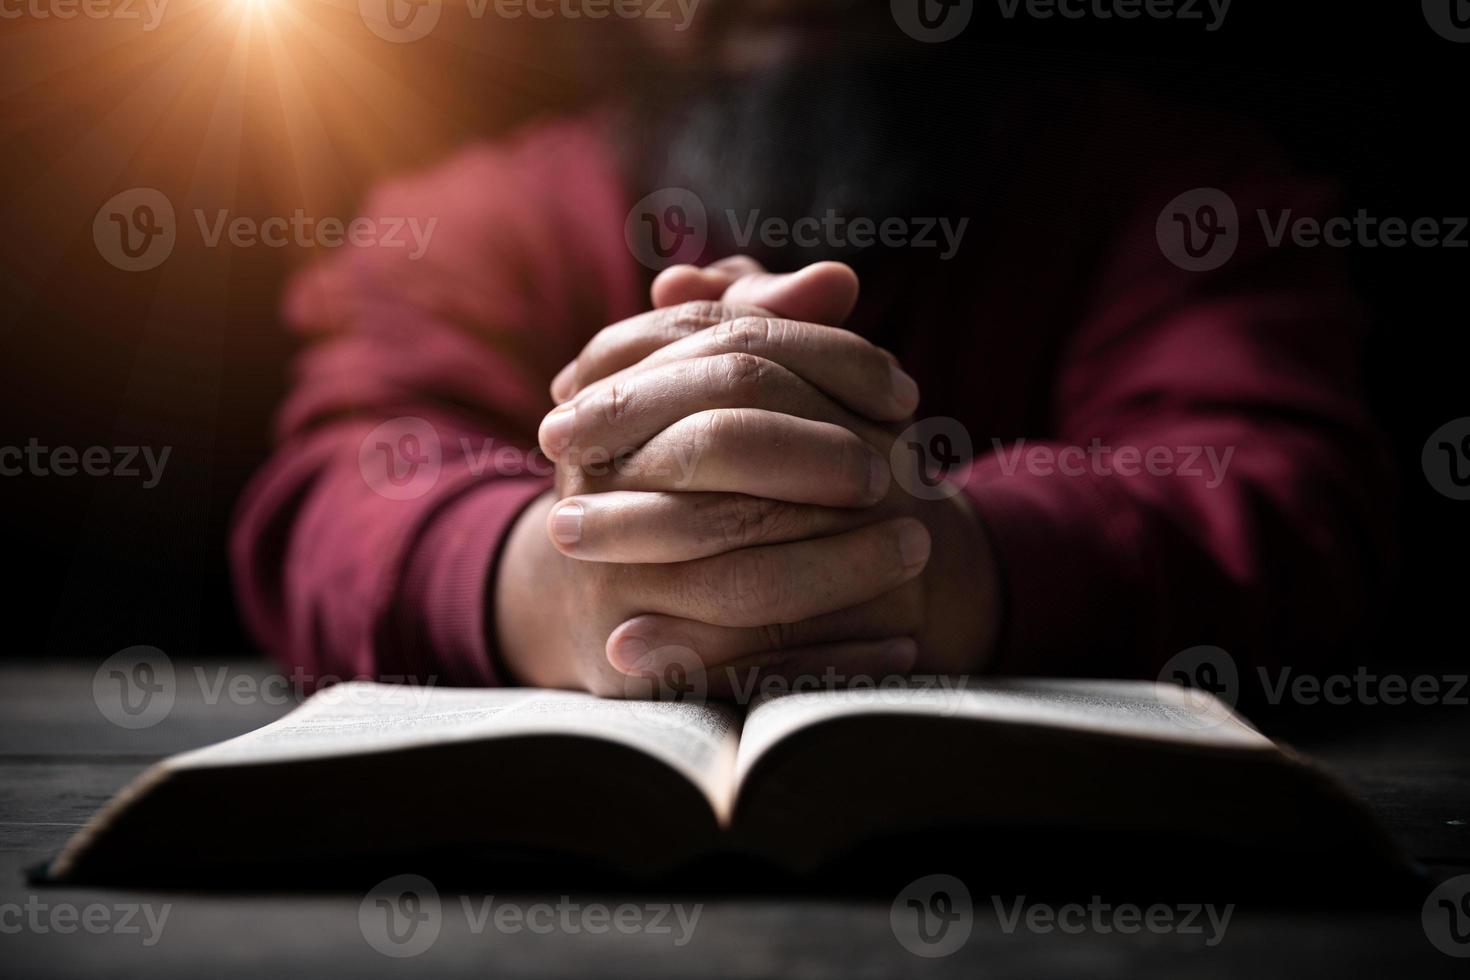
(724, 495)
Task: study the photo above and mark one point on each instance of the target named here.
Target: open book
(797, 780)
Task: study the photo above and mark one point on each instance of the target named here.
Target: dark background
(190, 355)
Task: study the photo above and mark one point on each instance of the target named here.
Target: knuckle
(615, 404)
(745, 333)
(743, 521)
(692, 316)
(710, 429)
(741, 373)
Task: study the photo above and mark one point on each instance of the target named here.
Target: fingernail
(626, 653)
(561, 385)
(905, 388)
(556, 430)
(566, 524)
(913, 544)
(878, 477)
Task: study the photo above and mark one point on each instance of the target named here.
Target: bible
(797, 780)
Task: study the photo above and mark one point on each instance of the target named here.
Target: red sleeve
(433, 361)
(1274, 547)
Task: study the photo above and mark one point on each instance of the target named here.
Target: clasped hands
(724, 501)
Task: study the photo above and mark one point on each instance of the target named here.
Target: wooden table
(60, 759)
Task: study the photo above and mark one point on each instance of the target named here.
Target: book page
(1133, 709)
(361, 717)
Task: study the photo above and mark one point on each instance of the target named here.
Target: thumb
(824, 292)
(688, 283)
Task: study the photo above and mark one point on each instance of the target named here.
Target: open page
(1135, 709)
(361, 717)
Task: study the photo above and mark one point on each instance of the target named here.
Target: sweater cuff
(1067, 565)
(444, 598)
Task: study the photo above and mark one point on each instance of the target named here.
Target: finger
(786, 583)
(823, 292)
(629, 341)
(822, 666)
(745, 450)
(898, 612)
(686, 283)
(634, 527)
(847, 368)
(620, 414)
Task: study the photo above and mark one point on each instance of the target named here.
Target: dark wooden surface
(60, 759)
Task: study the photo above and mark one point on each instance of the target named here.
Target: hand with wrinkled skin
(723, 493)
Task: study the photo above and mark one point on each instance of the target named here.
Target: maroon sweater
(1066, 343)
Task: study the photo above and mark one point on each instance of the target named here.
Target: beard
(875, 136)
